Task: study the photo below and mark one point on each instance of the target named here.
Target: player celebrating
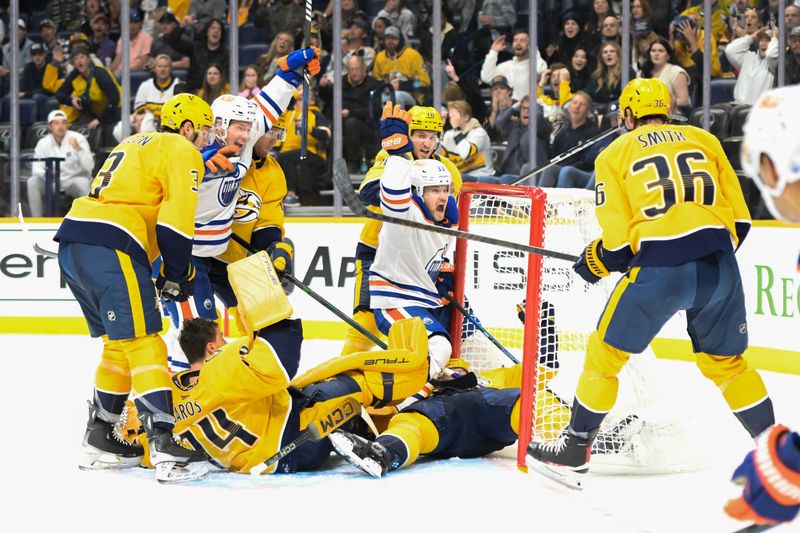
(425, 132)
(672, 215)
(771, 157)
(411, 270)
(143, 200)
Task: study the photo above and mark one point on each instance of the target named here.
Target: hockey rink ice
(47, 379)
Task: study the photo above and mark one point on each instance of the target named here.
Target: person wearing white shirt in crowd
(756, 69)
(76, 169)
(516, 69)
(467, 144)
(152, 93)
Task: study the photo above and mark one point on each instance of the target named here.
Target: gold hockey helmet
(644, 97)
(425, 119)
(183, 107)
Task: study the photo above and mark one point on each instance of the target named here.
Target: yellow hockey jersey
(238, 407)
(142, 202)
(371, 229)
(666, 195)
(259, 216)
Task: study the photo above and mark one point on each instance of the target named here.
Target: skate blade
(344, 448)
(171, 472)
(560, 474)
(97, 460)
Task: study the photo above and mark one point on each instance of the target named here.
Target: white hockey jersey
(216, 197)
(408, 260)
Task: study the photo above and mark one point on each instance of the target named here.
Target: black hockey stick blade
(318, 429)
(342, 180)
(753, 528)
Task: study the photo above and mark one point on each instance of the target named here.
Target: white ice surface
(46, 380)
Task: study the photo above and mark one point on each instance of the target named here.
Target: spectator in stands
(173, 41)
(76, 169)
(32, 77)
(554, 87)
(580, 175)
(501, 100)
(355, 43)
(202, 12)
(400, 16)
(600, 10)
(791, 18)
(139, 48)
(91, 9)
(643, 37)
(66, 14)
(350, 10)
(792, 71)
(208, 48)
(610, 30)
(358, 124)
(687, 42)
(499, 15)
(662, 65)
(305, 180)
(215, 84)
(452, 47)
(466, 143)
(608, 74)
(52, 44)
(142, 121)
(24, 48)
(513, 124)
(572, 37)
(90, 93)
(516, 69)
(249, 88)
(379, 25)
(756, 69)
(581, 128)
(579, 73)
(641, 15)
(401, 65)
(100, 44)
(267, 63)
(458, 12)
(469, 91)
(280, 16)
(752, 23)
(153, 92)
(719, 17)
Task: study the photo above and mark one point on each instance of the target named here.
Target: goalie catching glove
(590, 265)
(771, 478)
(175, 290)
(288, 66)
(281, 255)
(218, 158)
(394, 129)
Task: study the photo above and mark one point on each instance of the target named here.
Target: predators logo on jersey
(247, 206)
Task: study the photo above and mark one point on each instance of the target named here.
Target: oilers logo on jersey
(435, 263)
(230, 185)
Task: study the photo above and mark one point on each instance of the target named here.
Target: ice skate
(103, 449)
(371, 457)
(173, 462)
(565, 460)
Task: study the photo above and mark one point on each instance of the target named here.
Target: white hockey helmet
(427, 173)
(229, 107)
(773, 129)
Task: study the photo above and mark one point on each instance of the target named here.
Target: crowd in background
(70, 61)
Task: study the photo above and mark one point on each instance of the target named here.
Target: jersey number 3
(115, 158)
(671, 179)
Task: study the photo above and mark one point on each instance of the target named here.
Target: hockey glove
(394, 129)
(288, 66)
(590, 264)
(445, 282)
(281, 254)
(176, 291)
(217, 159)
(771, 478)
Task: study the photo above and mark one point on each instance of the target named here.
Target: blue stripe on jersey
(406, 286)
(400, 295)
(214, 222)
(275, 107)
(390, 208)
(407, 190)
(178, 364)
(204, 242)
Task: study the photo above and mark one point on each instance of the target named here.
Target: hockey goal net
(641, 434)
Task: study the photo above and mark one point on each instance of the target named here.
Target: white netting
(642, 433)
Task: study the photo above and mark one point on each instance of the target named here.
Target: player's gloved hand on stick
(217, 158)
(281, 255)
(445, 283)
(394, 129)
(770, 475)
(590, 264)
(176, 290)
(290, 66)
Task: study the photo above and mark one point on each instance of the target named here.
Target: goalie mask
(772, 130)
(228, 108)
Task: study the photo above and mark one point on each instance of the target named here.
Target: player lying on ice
(771, 157)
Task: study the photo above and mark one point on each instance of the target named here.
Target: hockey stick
(569, 153)
(317, 430)
(342, 180)
(475, 322)
(753, 528)
(313, 294)
(306, 89)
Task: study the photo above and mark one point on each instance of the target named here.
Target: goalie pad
(262, 300)
(390, 375)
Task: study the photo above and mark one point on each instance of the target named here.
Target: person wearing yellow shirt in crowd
(401, 65)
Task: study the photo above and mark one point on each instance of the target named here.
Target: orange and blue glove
(217, 159)
(290, 66)
(394, 129)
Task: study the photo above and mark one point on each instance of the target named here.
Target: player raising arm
(672, 215)
(771, 157)
(142, 203)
